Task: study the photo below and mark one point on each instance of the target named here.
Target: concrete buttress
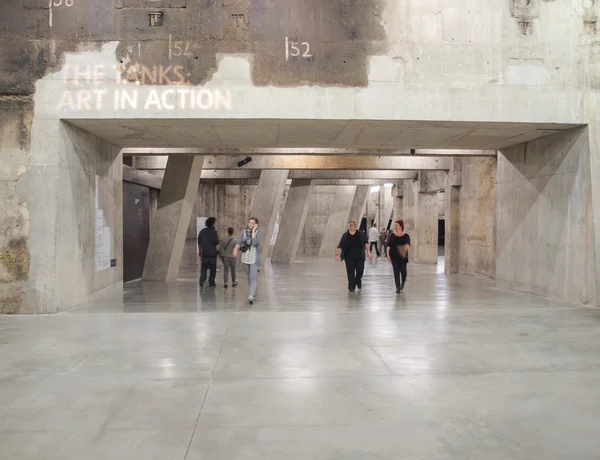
(337, 222)
(292, 221)
(267, 200)
(170, 225)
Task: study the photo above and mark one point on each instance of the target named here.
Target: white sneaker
(251, 299)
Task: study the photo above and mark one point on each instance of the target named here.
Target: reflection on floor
(452, 368)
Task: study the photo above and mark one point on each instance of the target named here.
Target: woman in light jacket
(249, 245)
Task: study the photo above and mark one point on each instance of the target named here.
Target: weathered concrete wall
(15, 120)
(76, 201)
(477, 224)
(545, 240)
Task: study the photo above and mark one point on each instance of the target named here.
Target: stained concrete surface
(452, 368)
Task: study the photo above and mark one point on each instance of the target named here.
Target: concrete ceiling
(272, 133)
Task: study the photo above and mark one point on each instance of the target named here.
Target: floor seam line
(206, 393)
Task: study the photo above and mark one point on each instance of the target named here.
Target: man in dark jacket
(208, 241)
(353, 249)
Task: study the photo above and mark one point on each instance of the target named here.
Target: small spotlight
(387, 184)
(245, 161)
(413, 151)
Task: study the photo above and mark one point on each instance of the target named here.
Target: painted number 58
(292, 49)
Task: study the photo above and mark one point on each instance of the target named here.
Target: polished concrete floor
(452, 368)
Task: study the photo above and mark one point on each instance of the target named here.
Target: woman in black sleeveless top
(397, 253)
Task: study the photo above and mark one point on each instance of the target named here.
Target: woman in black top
(397, 253)
(353, 249)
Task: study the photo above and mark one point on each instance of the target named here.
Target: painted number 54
(292, 49)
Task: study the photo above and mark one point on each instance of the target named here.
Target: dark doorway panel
(136, 229)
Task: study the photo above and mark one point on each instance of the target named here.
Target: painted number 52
(292, 49)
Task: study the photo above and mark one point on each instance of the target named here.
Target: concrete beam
(337, 222)
(308, 151)
(309, 162)
(330, 162)
(292, 221)
(172, 219)
(373, 177)
(141, 177)
(267, 202)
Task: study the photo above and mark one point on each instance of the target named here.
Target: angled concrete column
(593, 131)
(267, 201)
(452, 219)
(170, 226)
(386, 207)
(292, 221)
(426, 228)
(359, 203)
(337, 222)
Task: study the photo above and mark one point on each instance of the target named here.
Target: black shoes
(234, 285)
(225, 286)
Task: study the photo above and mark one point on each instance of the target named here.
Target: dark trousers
(205, 266)
(355, 268)
(229, 264)
(376, 248)
(399, 269)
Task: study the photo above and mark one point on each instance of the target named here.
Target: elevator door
(136, 229)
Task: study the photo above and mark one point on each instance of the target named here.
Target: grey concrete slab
(161, 405)
(379, 442)
(160, 444)
(452, 368)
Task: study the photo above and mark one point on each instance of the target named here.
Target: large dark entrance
(136, 229)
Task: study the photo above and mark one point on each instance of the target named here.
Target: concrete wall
(386, 60)
(545, 239)
(77, 188)
(477, 224)
(15, 120)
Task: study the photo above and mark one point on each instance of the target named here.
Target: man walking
(208, 241)
(373, 238)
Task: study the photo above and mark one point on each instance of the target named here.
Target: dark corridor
(136, 229)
